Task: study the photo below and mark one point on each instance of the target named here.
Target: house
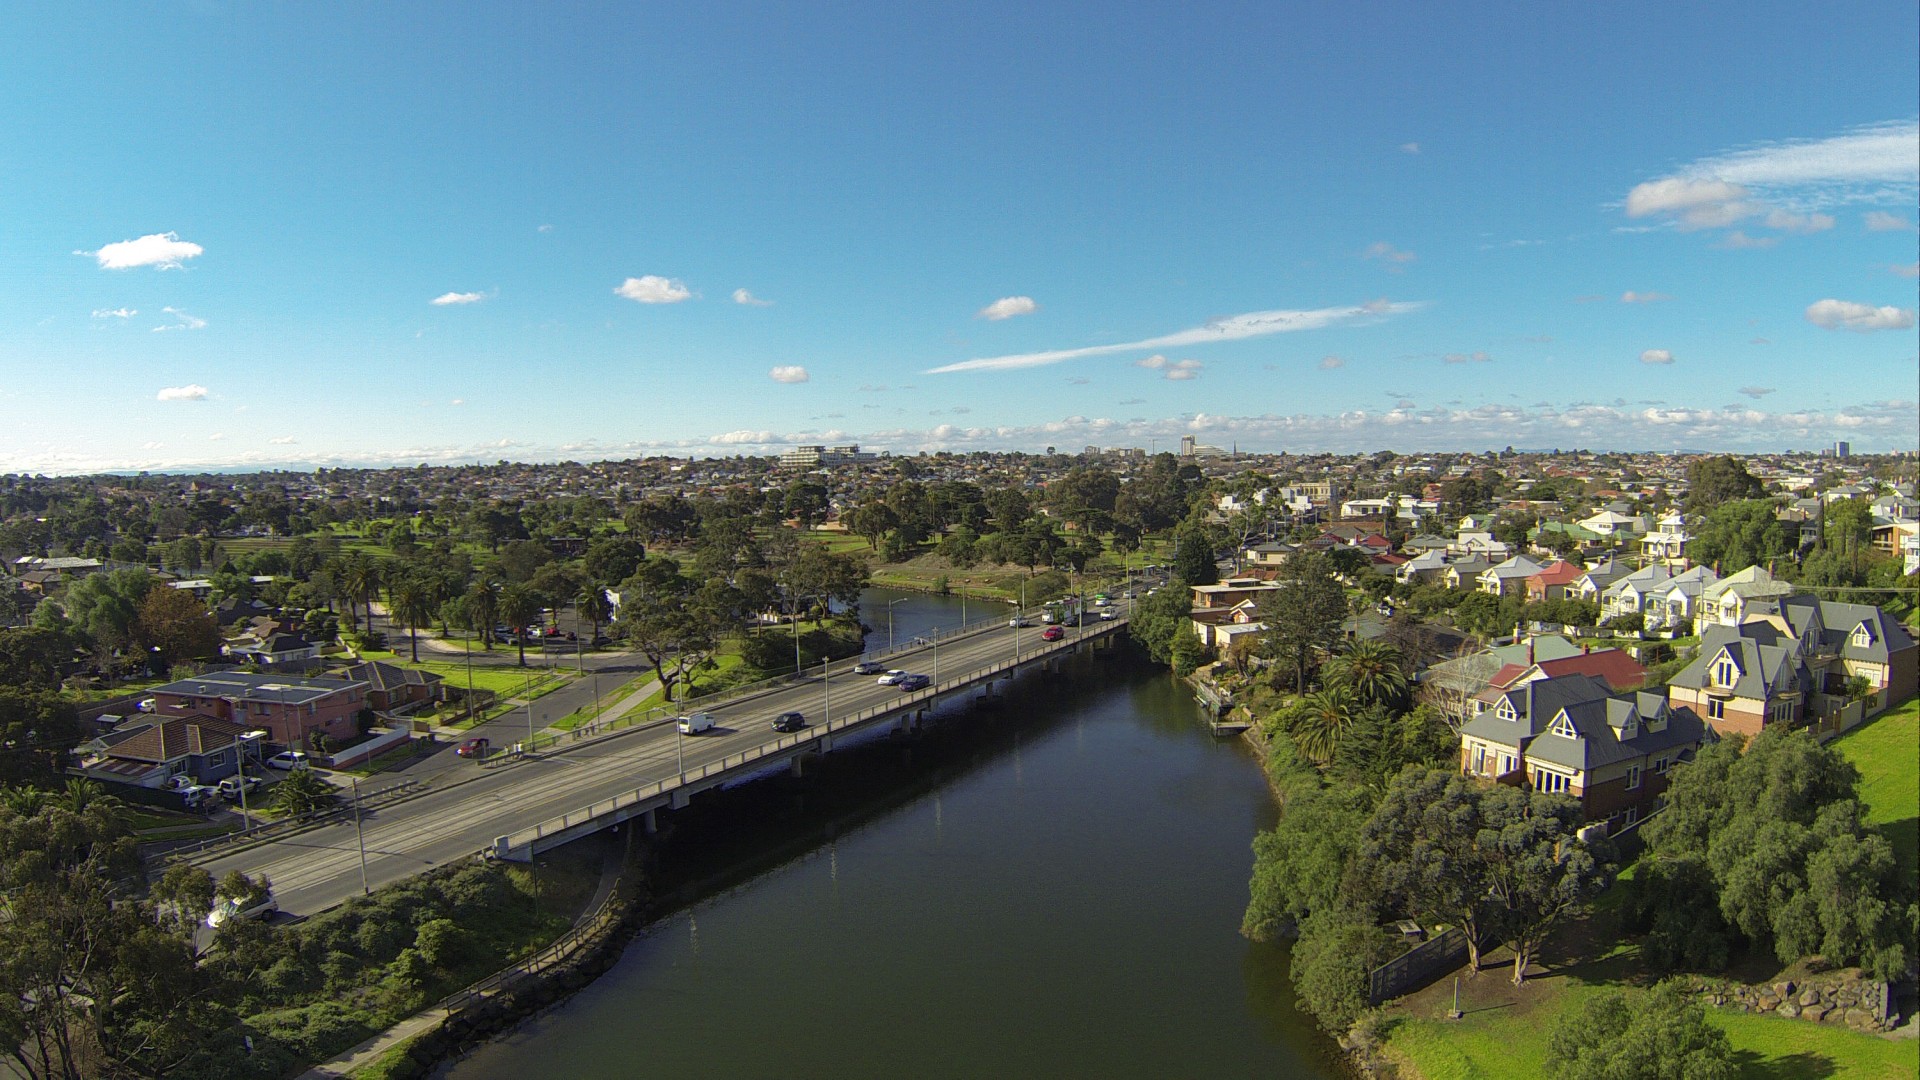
(1621, 671)
(1271, 553)
(1458, 681)
(390, 686)
(1613, 525)
(1553, 581)
(1595, 579)
(1667, 543)
(1230, 592)
(1843, 640)
(271, 646)
(1568, 735)
(290, 709)
(1423, 568)
(1729, 600)
(1220, 627)
(1464, 573)
(1508, 577)
(152, 753)
(1745, 678)
(1479, 545)
(1628, 595)
(1672, 604)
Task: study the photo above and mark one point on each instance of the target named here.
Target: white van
(695, 723)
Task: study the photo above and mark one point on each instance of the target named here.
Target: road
(319, 868)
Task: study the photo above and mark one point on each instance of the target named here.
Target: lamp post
(890, 604)
(360, 837)
(251, 738)
(826, 695)
(679, 738)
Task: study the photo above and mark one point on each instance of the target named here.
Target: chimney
(1529, 652)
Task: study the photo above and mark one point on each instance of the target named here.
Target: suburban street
(318, 868)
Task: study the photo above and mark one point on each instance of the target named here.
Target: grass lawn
(1883, 750)
(1497, 1041)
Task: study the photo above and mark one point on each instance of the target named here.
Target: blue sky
(224, 229)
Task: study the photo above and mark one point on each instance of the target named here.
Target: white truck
(694, 723)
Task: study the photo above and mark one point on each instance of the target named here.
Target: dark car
(789, 721)
(1052, 633)
(913, 682)
(474, 748)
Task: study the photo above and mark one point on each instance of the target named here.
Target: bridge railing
(645, 792)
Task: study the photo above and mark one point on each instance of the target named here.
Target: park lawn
(1883, 750)
(1511, 1042)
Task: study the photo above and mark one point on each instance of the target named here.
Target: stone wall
(1844, 998)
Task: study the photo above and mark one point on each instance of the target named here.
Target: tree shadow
(1801, 1066)
(1904, 837)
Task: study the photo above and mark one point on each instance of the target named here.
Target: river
(1049, 887)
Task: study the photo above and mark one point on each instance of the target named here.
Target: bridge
(541, 801)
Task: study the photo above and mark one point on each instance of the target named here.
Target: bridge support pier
(678, 799)
(650, 821)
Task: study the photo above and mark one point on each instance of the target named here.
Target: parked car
(892, 678)
(230, 909)
(789, 721)
(232, 786)
(1052, 633)
(869, 667)
(288, 760)
(200, 795)
(695, 723)
(181, 782)
(474, 748)
(913, 682)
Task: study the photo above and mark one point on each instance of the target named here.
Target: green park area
(1503, 1032)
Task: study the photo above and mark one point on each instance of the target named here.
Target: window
(1725, 671)
(1633, 777)
(1716, 709)
(1506, 764)
(1633, 814)
(1552, 783)
(1563, 727)
(1479, 759)
(1660, 766)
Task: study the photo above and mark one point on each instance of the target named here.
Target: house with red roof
(1554, 581)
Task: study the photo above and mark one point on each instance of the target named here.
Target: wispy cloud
(182, 321)
(1409, 147)
(1230, 328)
(1007, 307)
(162, 251)
(1911, 269)
(283, 440)
(653, 289)
(1656, 356)
(1756, 392)
(450, 299)
(1183, 370)
(1631, 297)
(1740, 241)
(1329, 363)
(788, 373)
(1466, 358)
(114, 313)
(1881, 221)
(189, 392)
(1848, 315)
(1394, 258)
(742, 296)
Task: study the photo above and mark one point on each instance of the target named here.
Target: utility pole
(360, 837)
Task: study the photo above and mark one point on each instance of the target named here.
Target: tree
(662, 616)
(613, 559)
(410, 600)
(175, 626)
(32, 657)
(105, 606)
(1297, 864)
(1193, 561)
(1535, 869)
(303, 792)
(521, 609)
(592, 605)
(1736, 535)
(361, 577)
(483, 609)
(1371, 670)
(1304, 617)
(1660, 1035)
(1715, 480)
(1331, 962)
(1319, 720)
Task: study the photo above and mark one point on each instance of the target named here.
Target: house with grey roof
(1628, 595)
(1591, 584)
(1569, 735)
(290, 709)
(1672, 604)
(1508, 577)
(1730, 600)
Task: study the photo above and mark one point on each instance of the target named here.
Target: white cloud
(1911, 269)
(1007, 307)
(1631, 297)
(1182, 370)
(1697, 202)
(216, 436)
(742, 296)
(164, 251)
(1847, 315)
(789, 373)
(449, 299)
(1756, 392)
(1656, 356)
(1329, 363)
(189, 392)
(1156, 362)
(1740, 241)
(744, 438)
(284, 440)
(1387, 253)
(114, 313)
(1409, 147)
(1887, 153)
(1467, 358)
(653, 289)
(458, 401)
(1230, 328)
(182, 321)
(1788, 221)
(1881, 221)
(544, 229)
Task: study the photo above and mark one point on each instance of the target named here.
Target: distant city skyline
(243, 237)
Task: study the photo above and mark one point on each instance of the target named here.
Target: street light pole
(360, 837)
(826, 693)
(679, 737)
(890, 604)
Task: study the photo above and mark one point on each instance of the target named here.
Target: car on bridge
(892, 678)
(474, 748)
(869, 667)
(694, 723)
(1052, 633)
(789, 721)
(1019, 621)
(910, 681)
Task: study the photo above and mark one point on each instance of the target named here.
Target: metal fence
(282, 826)
(558, 950)
(1417, 967)
(645, 792)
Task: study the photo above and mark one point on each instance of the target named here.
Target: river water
(1047, 887)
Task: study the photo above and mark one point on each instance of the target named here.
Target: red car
(474, 748)
(1052, 633)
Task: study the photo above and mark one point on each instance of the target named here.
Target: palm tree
(1320, 720)
(520, 608)
(1371, 670)
(483, 609)
(362, 581)
(412, 603)
(593, 606)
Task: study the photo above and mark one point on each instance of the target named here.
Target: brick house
(289, 709)
(390, 686)
(1570, 736)
(1553, 582)
(148, 755)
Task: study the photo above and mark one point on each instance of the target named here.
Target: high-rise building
(1842, 449)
